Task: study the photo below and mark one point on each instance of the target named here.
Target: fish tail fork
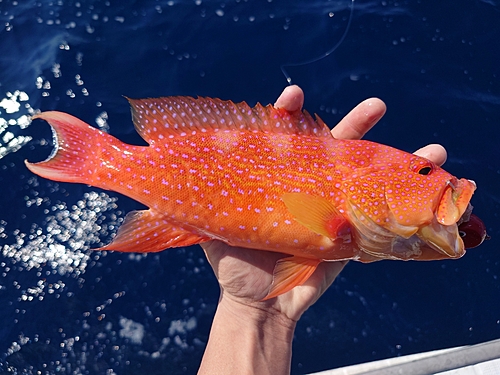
(76, 154)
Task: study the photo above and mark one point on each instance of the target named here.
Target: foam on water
(15, 112)
(102, 338)
(131, 330)
(62, 241)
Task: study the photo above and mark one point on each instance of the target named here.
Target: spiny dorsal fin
(182, 115)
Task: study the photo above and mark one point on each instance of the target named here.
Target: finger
(434, 152)
(361, 119)
(291, 99)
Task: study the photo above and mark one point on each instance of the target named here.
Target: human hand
(245, 275)
(251, 336)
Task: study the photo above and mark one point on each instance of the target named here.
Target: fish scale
(238, 188)
(263, 178)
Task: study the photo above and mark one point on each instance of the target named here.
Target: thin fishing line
(315, 59)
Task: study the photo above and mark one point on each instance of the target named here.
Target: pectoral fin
(147, 231)
(289, 273)
(317, 214)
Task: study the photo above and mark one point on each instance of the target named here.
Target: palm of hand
(246, 275)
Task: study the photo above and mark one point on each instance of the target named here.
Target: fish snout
(454, 201)
(442, 232)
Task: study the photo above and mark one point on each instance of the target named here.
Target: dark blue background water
(65, 309)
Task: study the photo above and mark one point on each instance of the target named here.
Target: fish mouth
(442, 232)
(438, 238)
(455, 200)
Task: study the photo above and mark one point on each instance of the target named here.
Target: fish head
(406, 207)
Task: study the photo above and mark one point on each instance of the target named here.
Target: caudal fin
(76, 154)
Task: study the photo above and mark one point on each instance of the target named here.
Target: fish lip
(443, 238)
(454, 200)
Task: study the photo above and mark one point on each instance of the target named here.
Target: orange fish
(262, 178)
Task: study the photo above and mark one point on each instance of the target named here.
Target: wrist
(248, 339)
(256, 315)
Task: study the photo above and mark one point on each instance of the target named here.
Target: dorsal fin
(183, 115)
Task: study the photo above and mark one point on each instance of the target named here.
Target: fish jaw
(455, 200)
(442, 232)
(443, 238)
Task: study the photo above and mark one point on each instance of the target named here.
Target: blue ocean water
(66, 309)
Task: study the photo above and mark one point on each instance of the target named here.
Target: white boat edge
(483, 358)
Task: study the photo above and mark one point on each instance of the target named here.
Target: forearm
(248, 340)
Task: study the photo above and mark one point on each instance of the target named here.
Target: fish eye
(425, 170)
(422, 166)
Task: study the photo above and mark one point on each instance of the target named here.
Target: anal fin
(148, 231)
(290, 272)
